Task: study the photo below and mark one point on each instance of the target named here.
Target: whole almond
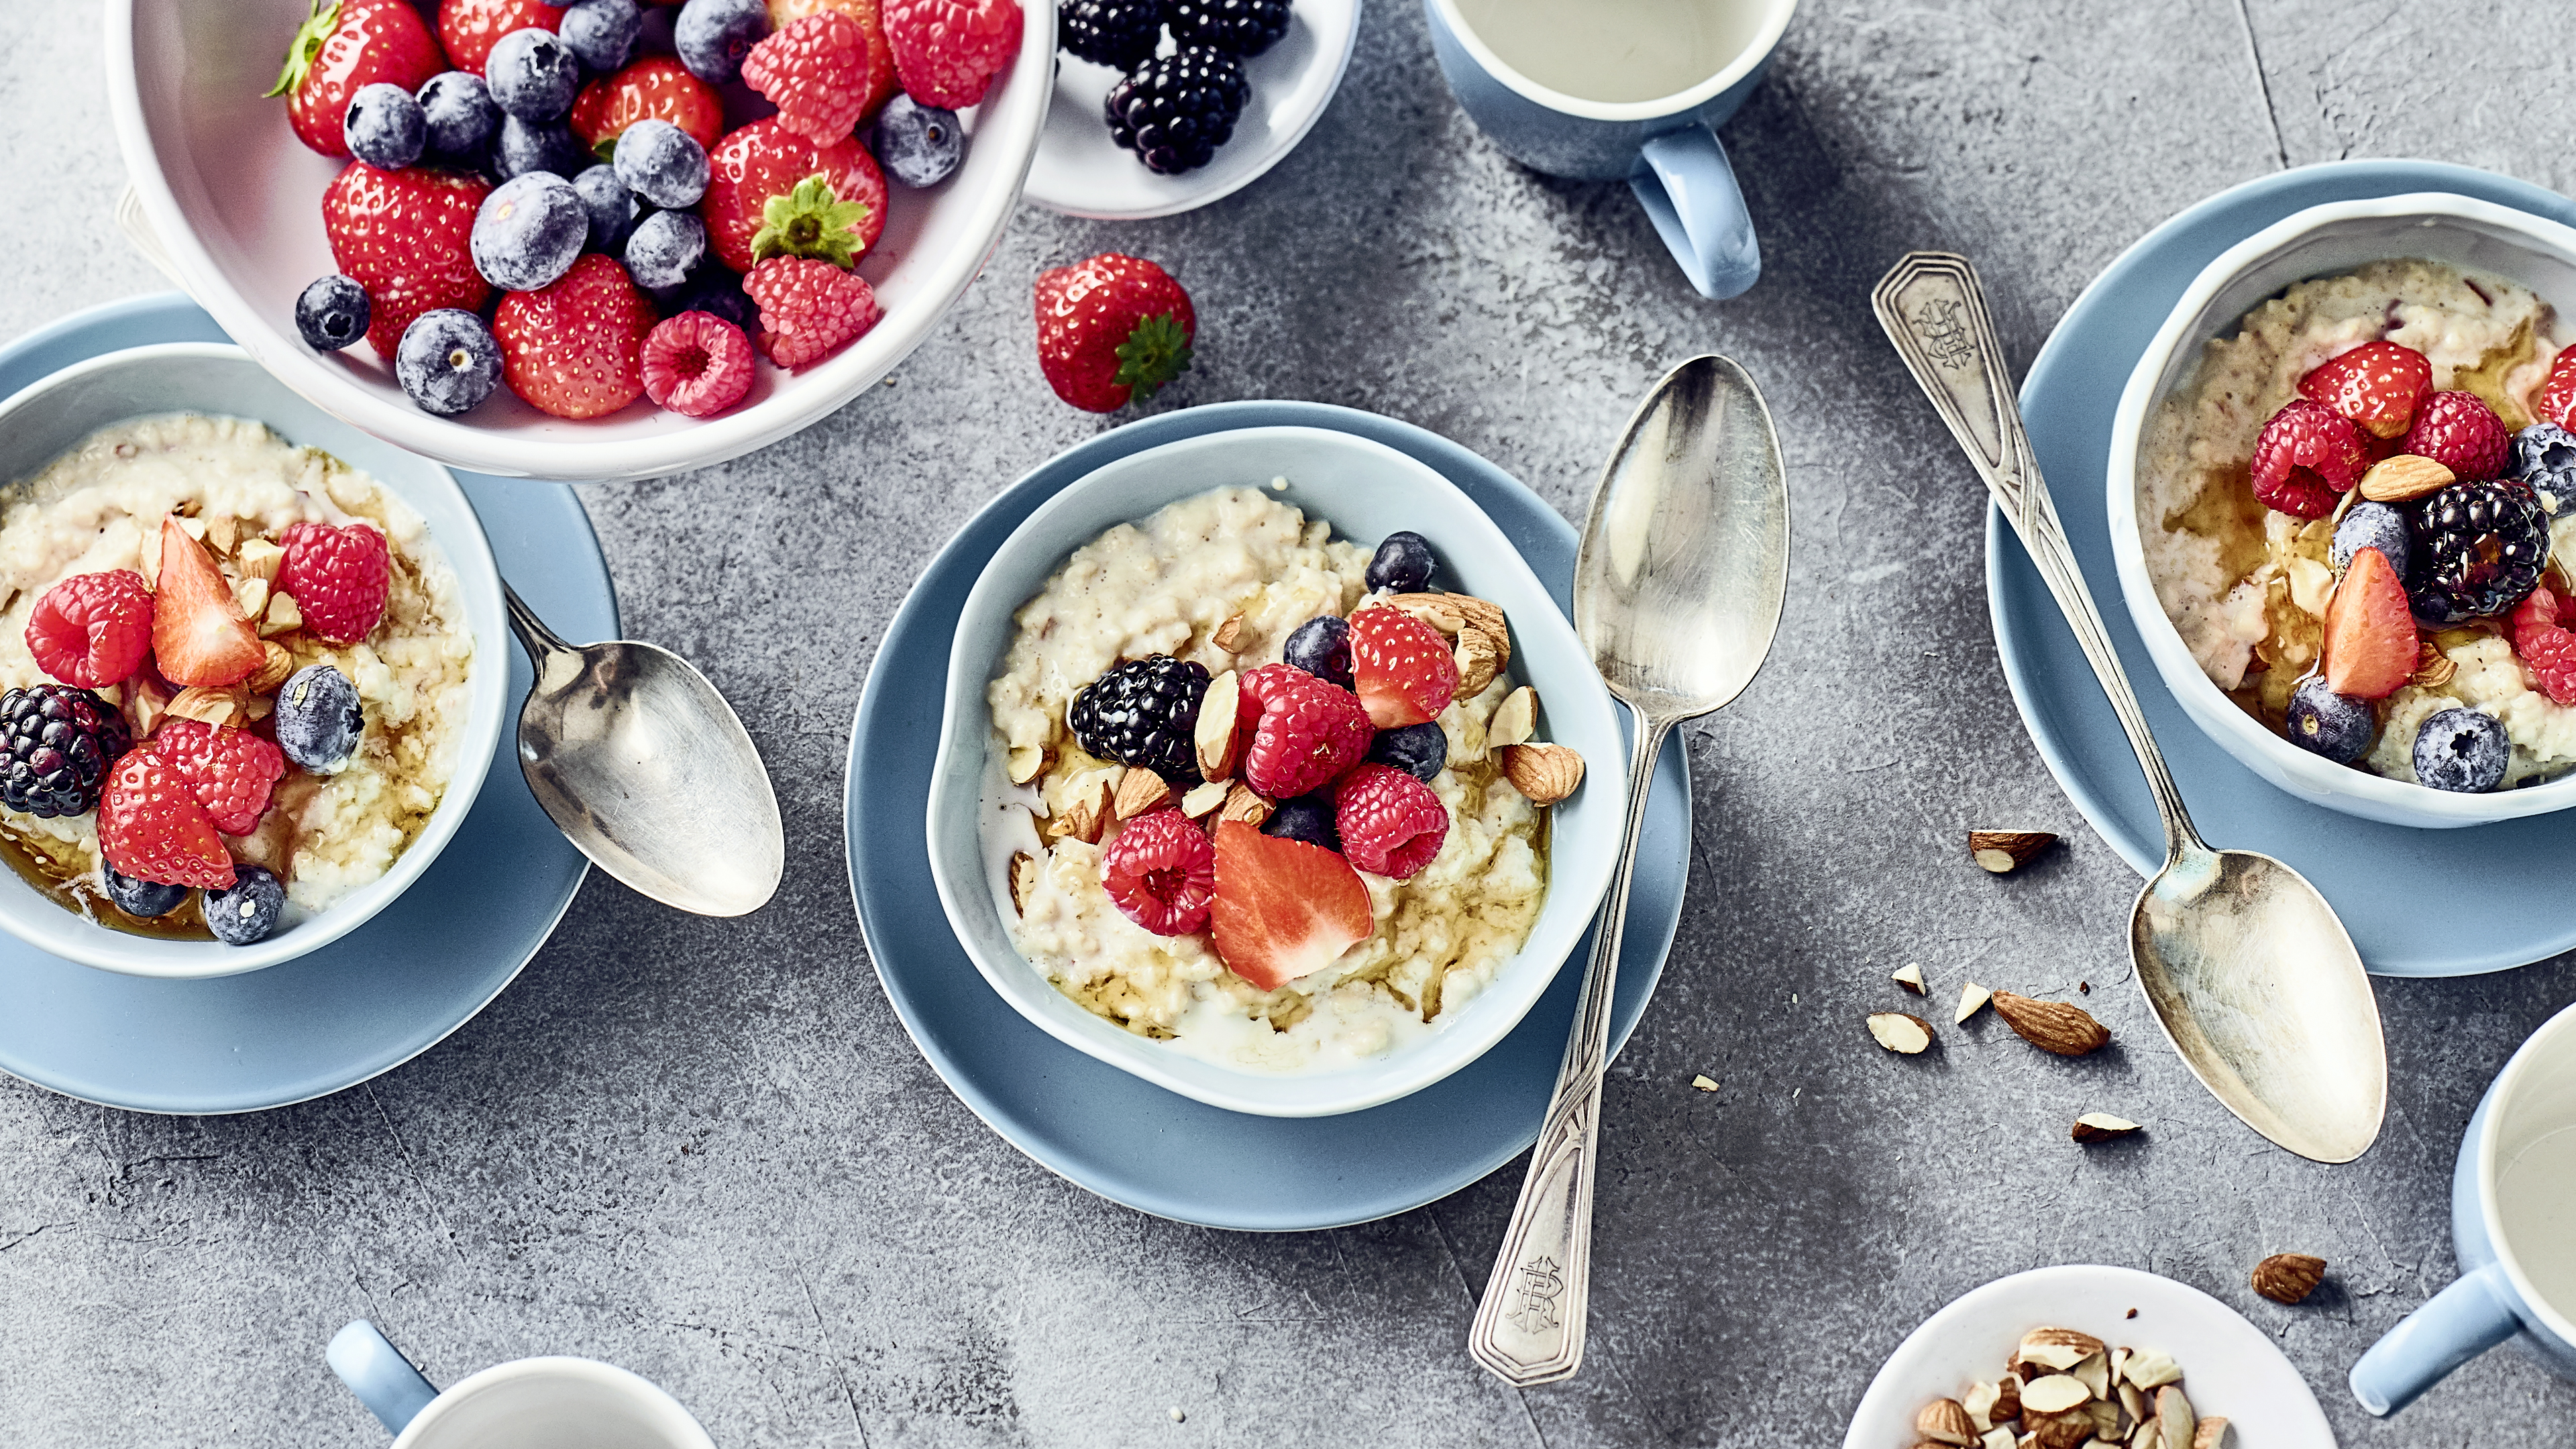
(2404, 478)
(2288, 1277)
(1545, 773)
(1943, 1421)
(1140, 790)
(228, 706)
(1214, 737)
(2056, 1026)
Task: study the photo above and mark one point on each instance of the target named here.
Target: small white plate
(1081, 172)
(2230, 1367)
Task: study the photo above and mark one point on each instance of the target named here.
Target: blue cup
(1667, 149)
(2513, 1220)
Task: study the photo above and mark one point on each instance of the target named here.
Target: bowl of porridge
(1231, 797)
(269, 773)
(2365, 378)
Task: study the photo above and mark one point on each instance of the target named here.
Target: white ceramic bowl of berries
(2477, 238)
(542, 357)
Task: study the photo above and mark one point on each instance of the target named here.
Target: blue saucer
(387, 991)
(2508, 878)
(1119, 1136)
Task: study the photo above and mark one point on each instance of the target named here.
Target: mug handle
(378, 1374)
(1689, 192)
(2459, 1323)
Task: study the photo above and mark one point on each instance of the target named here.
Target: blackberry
(1175, 110)
(2480, 549)
(59, 742)
(2544, 461)
(1121, 33)
(1143, 714)
(1244, 27)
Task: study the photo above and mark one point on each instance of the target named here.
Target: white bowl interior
(1367, 491)
(2322, 241)
(2533, 1114)
(236, 201)
(40, 423)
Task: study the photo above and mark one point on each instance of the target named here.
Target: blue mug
(2513, 1220)
(1666, 148)
(528, 1403)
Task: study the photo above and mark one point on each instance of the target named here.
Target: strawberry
(576, 348)
(816, 72)
(2370, 646)
(92, 629)
(2546, 649)
(947, 51)
(402, 235)
(1391, 823)
(809, 310)
(656, 88)
(339, 577)
(2378, 385)
(1160, 872)
(341, 46)
(697, 364)
(2558, 395)
(1404, 670)
(753, 176)
(1283, 909)
(151, 827)
(2460, 432)
(470, 28)
(880, 78)
(1111, 327)
(231, 771)
(1305, 731)
(2305, 455)
(198, 633)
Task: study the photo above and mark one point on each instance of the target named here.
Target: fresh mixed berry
(57, 743)
(1121, 34)
(2462, 750)
(918, 145)
(1173, 111)
(1322, 647)
(1143, 713)
(2544, 461)
(601, 34)
(1241, 27)
(2484, 545)
(1161, 872)
(1112, 328)
(385, 126)
(248, 911)
(319, 717)
(331, 313)
(1402, 563)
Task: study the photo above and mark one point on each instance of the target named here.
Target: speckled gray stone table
(707, 1150)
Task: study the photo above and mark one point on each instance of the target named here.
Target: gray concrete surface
(708, 1151)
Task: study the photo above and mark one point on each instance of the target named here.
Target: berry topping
(2326, 723)
(385, 126)
(815, 71)
(809, 310)
(881, 86)
(654, 88)
(141, 899)
(340, 578)
(404, 236)
(150, 826)
(92, 630)
(1161, 872)
(2378, 385)
(343, 47)
(470, 28)
(527, 147)
(666, 248)
(1175, 110)
(1308, 818)
(1391, 823)
(2374, 525)
(2480, 546)
(611, 206)
(765, 163)
(57, 744)
(1283, 909)
(1142, 713)
(713, 36)
(2460, 432)
(458, 118)
(576, 349)
(918, 145)
(2461, 750)
(1110, 328)
(1418, 750)
(1405, 670)
(1121, 34)
(448, 361)
(319, 719)
(2544, 461)
(1402, 563)
(2370, 645)
(528, 231)
(662, 163)
(601, 33)
(198, 633)
(947, 51)
(1306, 731)
(532, 75)
(1241, 27)
(331, 313)
(696, 364)
(248, 912)
(2547, 650)
(2558, 395)
(716, 289)
(2306, 455)
(231, 770)
(1322, 647)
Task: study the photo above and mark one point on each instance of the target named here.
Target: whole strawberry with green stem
(1112, 328)
(344, 45)
(757, 206)
(403, 236)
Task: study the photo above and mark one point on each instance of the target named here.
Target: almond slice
(2054, 1394)
(282, 616)
(1229, 634)
(2102, 1127)
(1479, 660)
(1901, 1033)
(1026, 763)
(2055, 1348)
(228, 706)
(1024, 879)
(1514, 718)
(1943, 1421)
(1909, 976)
(276, 666)
(1242, 804)
(2001, 851)
(1140, 790)
(1214, 736)
(2210, 1433)
(2175, 1421)
(1972, 999)
(1203, 799)
(1085, 814)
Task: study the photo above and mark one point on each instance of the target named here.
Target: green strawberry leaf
(810, 222)
(606, 150)
(309, 38)
(1155, 353)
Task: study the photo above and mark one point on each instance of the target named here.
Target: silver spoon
(2245, 964)
(1677, 592)
(645, 769)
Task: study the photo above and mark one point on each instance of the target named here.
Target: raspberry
(2460, 432)
(151, 827)
(809, 309)
(1391, 823)
(1405, 669)
(1161, 871)
(947, 51)
(2306, 455)
(696, 364)
(2558, 395)
(56, 745)
(232, 771)
(340, 578)
(2378, 385)
(92, 629)
(2546, 649)
(816, 72)
(1307, 731)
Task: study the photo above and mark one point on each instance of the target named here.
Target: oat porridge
(1262, 794)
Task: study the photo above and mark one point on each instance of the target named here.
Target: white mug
(528, 1403)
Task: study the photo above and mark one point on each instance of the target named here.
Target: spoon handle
(1934, 310)
(534, 636)
(1529, 1328)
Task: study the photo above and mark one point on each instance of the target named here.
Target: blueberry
(384, 126)
(601, 33)
(918, 145)
(2544, 458)
(447, 361)
(2336, 726)
(141, 899)
(2462, 750)
(2373, 525)
(1418, 750)
(662, 163)
(666, 247)
(332, 313)
(459, 114)
(532, 75)
(249, 911)
(532, 146)
(1402, 563)
(717, 288)
(319, 718)
(529, 231)
(1308, 818)
(611, 206)
(713, 36)
(1322, 647)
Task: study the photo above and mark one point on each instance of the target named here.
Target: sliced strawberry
(1405, 670)
(2370, 637)
(198, 633)
(1283, 909)
(151, 827)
